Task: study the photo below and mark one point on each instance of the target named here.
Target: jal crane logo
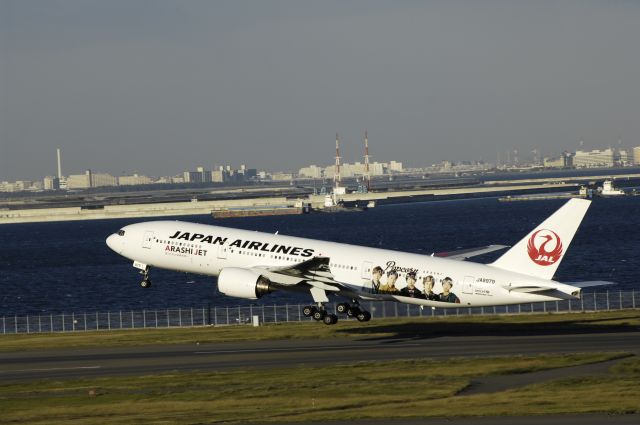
(544, 247)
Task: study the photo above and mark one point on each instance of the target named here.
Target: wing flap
(314, 272)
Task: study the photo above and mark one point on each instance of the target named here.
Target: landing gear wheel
(363, 316)
(319, 315)
(145, 283)
(330, 319)
(342, 308)
(353, 311)
(308, 311)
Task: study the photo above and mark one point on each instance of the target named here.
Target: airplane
(252, 264)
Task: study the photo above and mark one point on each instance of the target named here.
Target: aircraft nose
(113, 242)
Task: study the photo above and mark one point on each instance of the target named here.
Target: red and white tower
(336, 174)
(367, 174)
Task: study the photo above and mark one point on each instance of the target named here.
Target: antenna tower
(367, 174)
(336, 174)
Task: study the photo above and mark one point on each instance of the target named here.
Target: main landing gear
(354, 311)
(146, 282)
(320, 313)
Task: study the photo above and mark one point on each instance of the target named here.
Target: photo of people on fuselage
(428, 282)
(376, 275)
(410, 290)
(447, 296)
(394, 286)
(390, 286)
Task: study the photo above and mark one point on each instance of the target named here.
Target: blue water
(66, 266)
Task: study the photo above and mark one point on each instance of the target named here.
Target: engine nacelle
(243, 283)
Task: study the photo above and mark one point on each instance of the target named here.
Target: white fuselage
(206, 250)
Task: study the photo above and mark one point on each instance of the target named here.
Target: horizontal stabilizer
(549, 291)
(463, 254)
(528, 288)
(590, 283)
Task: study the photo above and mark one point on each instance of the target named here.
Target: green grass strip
(374, 390)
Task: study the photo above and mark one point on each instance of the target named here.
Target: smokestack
(59, 165)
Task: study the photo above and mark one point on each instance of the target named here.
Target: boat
(608, 189)
(331, 206)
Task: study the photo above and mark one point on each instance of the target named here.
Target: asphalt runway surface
(75, 363)
(596, 419)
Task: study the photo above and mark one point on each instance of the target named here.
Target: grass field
(625, 320)
(375, 390)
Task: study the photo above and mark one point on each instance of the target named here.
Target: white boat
(609, 190)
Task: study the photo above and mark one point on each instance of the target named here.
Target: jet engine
(243, 283)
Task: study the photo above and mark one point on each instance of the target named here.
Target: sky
(158, 87)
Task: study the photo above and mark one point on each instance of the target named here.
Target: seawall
(34, 215)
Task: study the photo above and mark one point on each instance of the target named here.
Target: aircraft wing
(463, 254)
(314, 272)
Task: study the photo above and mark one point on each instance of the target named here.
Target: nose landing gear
(146, 282)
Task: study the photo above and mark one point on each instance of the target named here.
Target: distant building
(205, 174)
(281, 176)
(165, 180)
(379, 168)
(563, 161)
(218, 176)
(245, 174)
(134, 180)
(636, 155)
(199, 176)
(595, 158)
(395, 167)
(312, 171)
(20, 186)
(357, 169)
(191, 177)
(79, 181)
(90, 179)
(555, 162)
(624, 158)
(51, 183)
(8, 187)
(103, 179)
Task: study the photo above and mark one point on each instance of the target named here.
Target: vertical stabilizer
(540, 252)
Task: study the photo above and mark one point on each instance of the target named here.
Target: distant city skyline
(506, 159)
(162, 86)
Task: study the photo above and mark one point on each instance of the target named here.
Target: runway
(75, 363)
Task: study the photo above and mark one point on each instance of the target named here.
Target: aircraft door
(367, 266)
(148, 239)
(467, 285)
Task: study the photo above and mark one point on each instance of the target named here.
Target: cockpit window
(120, 232)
